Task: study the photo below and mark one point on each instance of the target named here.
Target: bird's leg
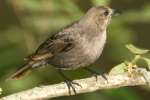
(94, 73)
(70, 84)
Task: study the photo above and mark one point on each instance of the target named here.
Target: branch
(88, 85)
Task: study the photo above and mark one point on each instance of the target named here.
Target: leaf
(119, 69)
(147, 61)
(136, 50)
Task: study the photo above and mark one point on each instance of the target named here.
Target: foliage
(138, 55)
(25, 24)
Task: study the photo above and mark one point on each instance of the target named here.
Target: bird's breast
(95, 47)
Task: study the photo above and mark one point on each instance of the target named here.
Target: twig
(88, 85)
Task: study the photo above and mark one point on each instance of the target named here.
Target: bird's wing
(56, 44)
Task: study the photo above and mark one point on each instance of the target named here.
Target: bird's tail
(21, 72)
(26, 68)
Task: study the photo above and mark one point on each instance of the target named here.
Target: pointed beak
(115, 12)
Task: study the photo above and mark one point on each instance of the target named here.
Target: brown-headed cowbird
(76, 46)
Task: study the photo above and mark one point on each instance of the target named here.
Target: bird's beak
(115, 12)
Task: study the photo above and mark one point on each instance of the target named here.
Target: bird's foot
(71, 86)
(95, 74)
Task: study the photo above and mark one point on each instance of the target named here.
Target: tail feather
(21, 72)
(26, 67)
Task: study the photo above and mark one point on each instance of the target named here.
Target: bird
(75, 46)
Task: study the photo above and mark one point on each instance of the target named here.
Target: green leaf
(147, 61)
(136, 50)
(119, 69)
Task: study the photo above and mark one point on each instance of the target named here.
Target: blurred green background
(24, 24)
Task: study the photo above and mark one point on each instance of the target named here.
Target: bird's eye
(106, 13)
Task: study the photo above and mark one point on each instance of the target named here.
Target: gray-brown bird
(76, 46)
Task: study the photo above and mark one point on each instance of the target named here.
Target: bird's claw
(104, 77)
(70, 85)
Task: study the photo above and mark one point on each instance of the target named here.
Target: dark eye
(106, 13)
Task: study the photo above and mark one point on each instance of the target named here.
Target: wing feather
(52, 46)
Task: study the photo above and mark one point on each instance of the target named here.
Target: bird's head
(100, 15)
